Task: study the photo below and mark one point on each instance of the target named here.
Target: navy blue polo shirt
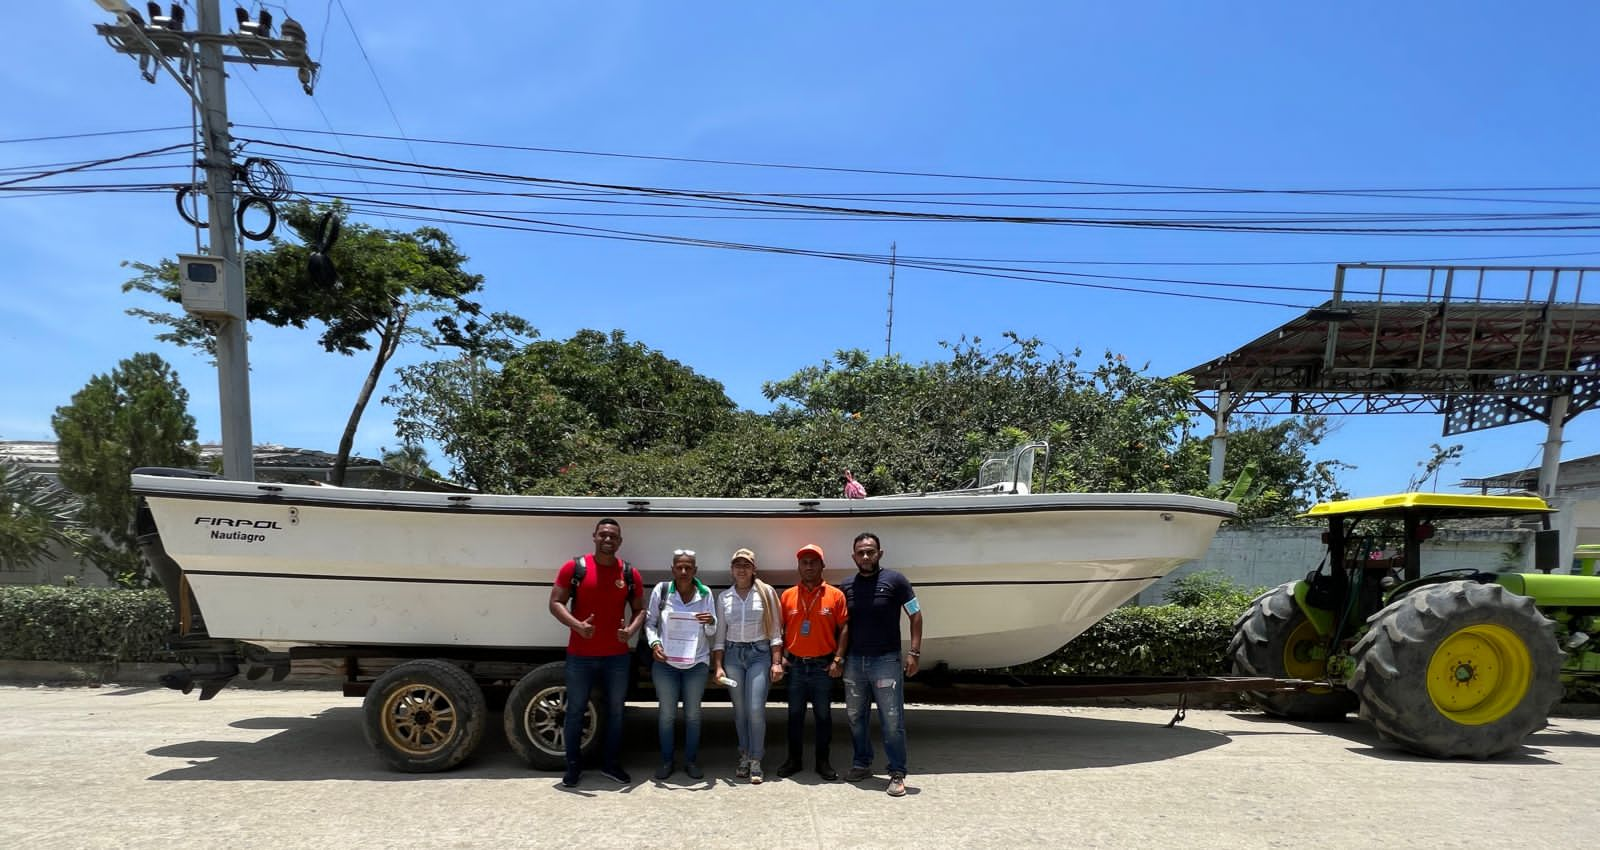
(875, 603)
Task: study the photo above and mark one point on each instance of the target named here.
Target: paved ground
(138, 767)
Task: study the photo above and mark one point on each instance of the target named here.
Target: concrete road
(139, 767)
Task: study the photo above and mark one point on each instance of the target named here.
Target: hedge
(44, 623)
(1160, 640)
(40, 623)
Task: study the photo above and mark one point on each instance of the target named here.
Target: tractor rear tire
(1458, 670)
(424, 715)
(1273, 637)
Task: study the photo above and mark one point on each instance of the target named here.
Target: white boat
(1004, 576)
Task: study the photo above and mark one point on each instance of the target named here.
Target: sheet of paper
(680, 636)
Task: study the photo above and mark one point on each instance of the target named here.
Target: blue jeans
(880, 679)
(809, 682)
(749, 664)
(610, 672)
(673, 684)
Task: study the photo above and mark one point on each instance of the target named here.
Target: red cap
(810, 547)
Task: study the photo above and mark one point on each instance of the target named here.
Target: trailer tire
(424, 715)
(1273, 637)
(1458, 670)
(534, 717)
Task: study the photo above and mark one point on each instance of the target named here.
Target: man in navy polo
(873, 668)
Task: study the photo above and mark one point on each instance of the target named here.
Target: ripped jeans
(880, 679)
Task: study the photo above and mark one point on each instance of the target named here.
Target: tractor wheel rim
(1300, 651)
(419, 720)
(545, 718)
(1479, 674)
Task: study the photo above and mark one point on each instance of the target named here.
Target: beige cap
(744, 555)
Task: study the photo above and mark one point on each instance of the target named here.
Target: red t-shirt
(603, 593)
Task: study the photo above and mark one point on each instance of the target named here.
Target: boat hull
(1002, 579)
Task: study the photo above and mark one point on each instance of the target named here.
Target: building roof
(283, 464)
(1578, 473)
(1482, 363)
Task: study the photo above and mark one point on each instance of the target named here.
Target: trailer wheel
(1458, 670)
(535, 716)
(424, 716)
(1273, 637)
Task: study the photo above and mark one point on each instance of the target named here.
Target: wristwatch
(838, 659)
(914, 653)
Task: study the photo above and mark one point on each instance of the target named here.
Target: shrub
(1159, 640)
(41, 623)
(1210, 587)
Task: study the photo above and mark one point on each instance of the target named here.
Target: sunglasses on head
(677, 552)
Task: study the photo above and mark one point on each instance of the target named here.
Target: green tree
(38, 519)
(1276, 457)
(1441, 457)
(136, 416)
(904, 427)
(512, 417)
(391, 288)
(410, 459)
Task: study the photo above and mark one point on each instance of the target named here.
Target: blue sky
(1263, 95)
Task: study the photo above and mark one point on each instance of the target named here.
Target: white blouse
(739, 619)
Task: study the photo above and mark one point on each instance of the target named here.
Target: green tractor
(1449, 664)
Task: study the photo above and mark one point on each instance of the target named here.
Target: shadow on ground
(330, 745)
(1368, 742)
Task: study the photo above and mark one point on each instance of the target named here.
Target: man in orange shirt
(816, 632)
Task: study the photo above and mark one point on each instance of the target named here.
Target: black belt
(793, 657)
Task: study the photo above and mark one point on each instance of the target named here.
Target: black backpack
(580, 568)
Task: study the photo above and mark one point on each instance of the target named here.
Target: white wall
(1271, 555)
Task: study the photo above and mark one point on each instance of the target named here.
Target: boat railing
(1001, 472)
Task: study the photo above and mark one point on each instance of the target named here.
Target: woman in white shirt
(679, 623)
(749, 650)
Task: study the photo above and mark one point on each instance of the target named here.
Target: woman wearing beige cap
(748, 652)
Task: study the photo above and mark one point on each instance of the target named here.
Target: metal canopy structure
(1484, 345)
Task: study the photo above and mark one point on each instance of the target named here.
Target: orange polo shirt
(825, 608)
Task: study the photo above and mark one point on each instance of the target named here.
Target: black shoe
(789, 768)
(616, 774)
(827, 772)
(664, 771)
(693, 770)
(571, 778)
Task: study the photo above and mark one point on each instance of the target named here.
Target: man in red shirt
(597, 650)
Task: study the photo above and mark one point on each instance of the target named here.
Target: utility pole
(233, 361)
(201, 73)
(888, 337)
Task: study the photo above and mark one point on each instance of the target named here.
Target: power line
(1158, 188)
(93, 163)
(1160, 224)
(92, 135)
(504, 222)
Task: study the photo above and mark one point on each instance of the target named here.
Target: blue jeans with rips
(673, 684)
(880, 679)
(809, 682)
(583, 673)
(749, 664)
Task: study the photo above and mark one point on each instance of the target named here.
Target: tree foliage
(1283, 481)
(135, 416)
(391, 288)
(511, 417)
(38, 519)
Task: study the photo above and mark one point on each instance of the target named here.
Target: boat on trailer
(1004, 575)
